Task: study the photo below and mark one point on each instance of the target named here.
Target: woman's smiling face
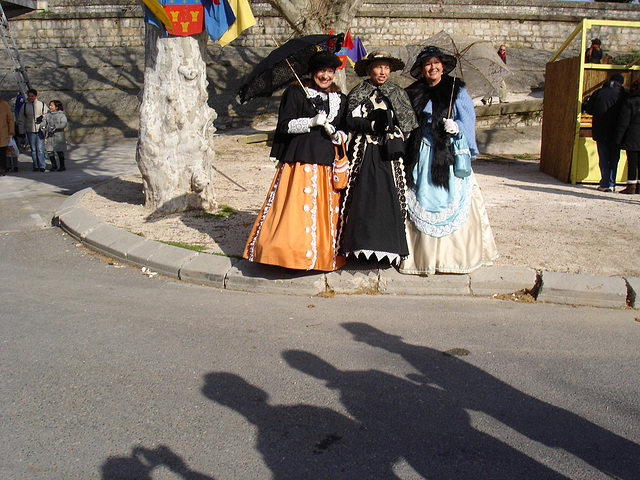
(324, 77)
(432, 70)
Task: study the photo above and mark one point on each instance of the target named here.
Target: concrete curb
(596, 290)
(233, 274)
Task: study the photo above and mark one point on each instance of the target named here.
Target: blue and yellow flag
(244, 20)
(218, 17)
(155, 15)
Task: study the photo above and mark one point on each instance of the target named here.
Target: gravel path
(537, 221)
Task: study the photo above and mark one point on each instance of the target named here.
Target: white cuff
(298, 125)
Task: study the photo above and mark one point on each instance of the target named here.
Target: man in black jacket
(605, 105)
(628, 136)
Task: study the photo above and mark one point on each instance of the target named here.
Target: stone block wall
(90, 54)
(537, 24)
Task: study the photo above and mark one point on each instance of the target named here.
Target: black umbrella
(286, 63)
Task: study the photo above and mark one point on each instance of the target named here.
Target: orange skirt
(297, 225)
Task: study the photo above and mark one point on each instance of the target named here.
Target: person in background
(605, 105)
(7, 129)
(594, 53)
(297, 225)
(20, 138)
(502, 53)
(17, 107)
(380, 116)
(55, 143)
(29, 121)
(448, 228)
(628, 136)
(502, 94)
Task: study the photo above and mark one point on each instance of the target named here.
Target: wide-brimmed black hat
(448, 61)
(323, 59)
(362, 64)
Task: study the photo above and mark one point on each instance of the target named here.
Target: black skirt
(373, 219)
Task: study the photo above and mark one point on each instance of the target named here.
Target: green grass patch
(223, 212)
(188, 246)
(199, 249)
(239, 257)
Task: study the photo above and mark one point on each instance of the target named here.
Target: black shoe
(61, 169)
(36, 169)
(3, 173)
(15, 169)
(43, 170)
(53, 169)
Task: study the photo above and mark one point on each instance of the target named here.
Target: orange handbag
(340, 168)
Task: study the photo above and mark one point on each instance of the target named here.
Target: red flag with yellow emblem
(187, 16)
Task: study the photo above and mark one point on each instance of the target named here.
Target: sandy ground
(536, 220)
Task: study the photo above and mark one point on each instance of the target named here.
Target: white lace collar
(334, 101)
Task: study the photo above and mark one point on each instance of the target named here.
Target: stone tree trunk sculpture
(175, 143)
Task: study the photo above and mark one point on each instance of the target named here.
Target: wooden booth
(568, 152)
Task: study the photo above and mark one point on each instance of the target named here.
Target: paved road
(109, 374)
(27, 197)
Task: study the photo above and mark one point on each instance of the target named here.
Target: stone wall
(90, 54)
(520, 23)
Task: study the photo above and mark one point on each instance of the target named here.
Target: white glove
(450, 126)
(330, 129)
(319, 119)
(338, 137)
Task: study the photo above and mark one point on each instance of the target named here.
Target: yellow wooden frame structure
(565, 154)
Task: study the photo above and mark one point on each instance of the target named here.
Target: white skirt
(463, 251)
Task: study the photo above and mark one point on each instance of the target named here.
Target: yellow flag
(244, 20)
(157, 9)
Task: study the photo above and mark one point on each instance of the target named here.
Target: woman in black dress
(380, 116)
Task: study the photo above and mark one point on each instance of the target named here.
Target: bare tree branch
(317, 16)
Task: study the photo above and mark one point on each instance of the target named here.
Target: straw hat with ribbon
(363, 64)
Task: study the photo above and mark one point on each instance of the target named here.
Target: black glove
(39, 119)
(359, 125)
(377, 114)
(379, 126)
(378, 119)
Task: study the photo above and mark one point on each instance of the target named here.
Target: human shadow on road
(143, 461)
(296, 441)
(394, 427)
(445, 380)
(419, 424)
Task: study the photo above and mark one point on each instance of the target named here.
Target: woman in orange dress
(297, 225)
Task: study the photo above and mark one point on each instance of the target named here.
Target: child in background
(55, 143)
(12, 155)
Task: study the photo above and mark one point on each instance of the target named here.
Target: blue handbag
(462, 155)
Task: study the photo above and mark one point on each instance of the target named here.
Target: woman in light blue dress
(448, 228)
